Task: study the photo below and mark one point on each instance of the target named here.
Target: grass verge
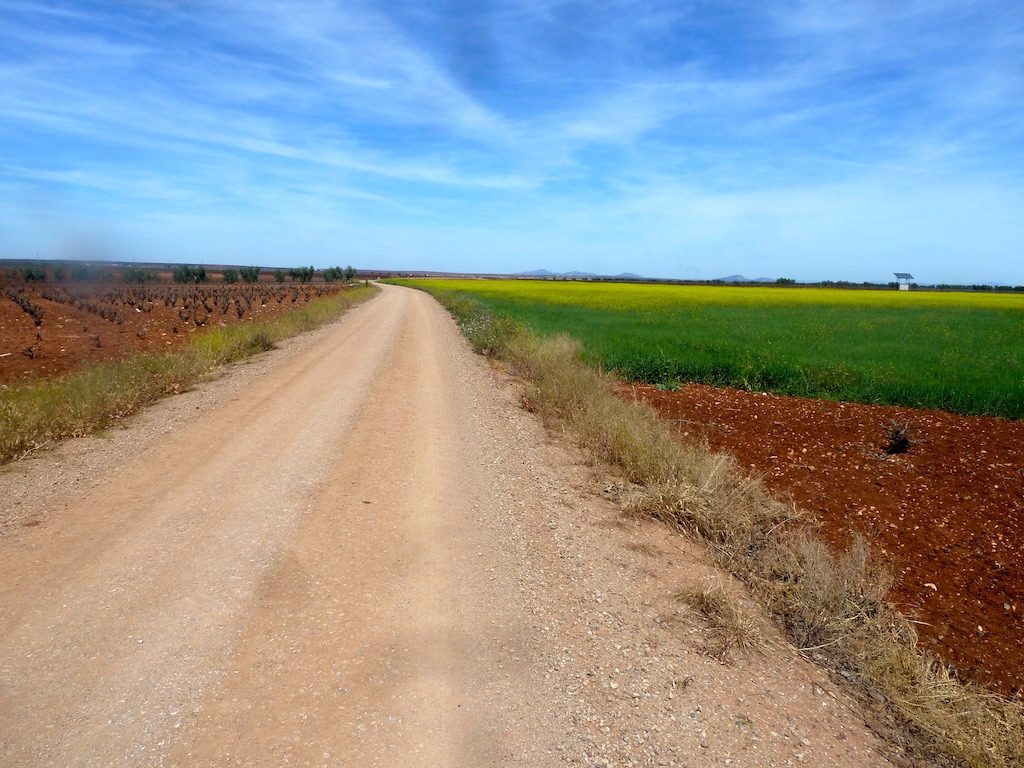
(833, 607)
(37, 413)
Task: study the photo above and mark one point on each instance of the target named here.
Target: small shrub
(731, 629)
(897, 438)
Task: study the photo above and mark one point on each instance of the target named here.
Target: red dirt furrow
(947, 516)
(70, 337)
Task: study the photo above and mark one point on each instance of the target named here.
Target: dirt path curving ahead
(358, 551)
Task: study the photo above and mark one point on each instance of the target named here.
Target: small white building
(903, 280)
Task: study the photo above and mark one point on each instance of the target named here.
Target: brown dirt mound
(948, 514)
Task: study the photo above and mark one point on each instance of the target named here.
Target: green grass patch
(960, 352)
(36, 413)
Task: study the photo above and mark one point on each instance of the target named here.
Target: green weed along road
(962, 352)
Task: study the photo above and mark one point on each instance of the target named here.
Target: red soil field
(73, 331)
(947, 516)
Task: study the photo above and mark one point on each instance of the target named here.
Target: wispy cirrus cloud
(443, 124)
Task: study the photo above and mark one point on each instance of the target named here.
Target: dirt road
(358, 551)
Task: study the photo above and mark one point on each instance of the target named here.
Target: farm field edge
(961, 352)
(36, 412)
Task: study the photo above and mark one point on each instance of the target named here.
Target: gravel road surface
(358, 550)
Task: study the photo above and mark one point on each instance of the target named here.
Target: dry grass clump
(822, 598)
(834, 609)
(36, 413)
(832, 606)
(731, 629)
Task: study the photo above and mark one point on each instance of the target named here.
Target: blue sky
(816, 140)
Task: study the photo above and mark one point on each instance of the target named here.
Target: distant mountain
(742, 279)
(574, 273)
(628, 276)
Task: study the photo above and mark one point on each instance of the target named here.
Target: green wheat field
(961, 352)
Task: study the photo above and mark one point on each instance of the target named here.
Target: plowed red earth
(946, 516)
(67, 337)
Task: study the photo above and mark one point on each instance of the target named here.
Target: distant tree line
(337, 274)
(186, 273)
(301, 274)
(137, 275)
(33, 274)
